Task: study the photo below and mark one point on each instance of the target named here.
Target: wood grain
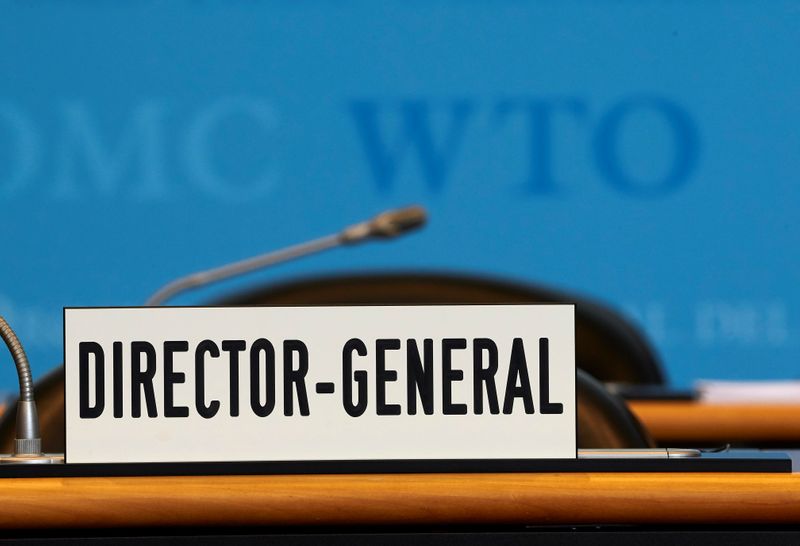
(688, 421)
(543, 499)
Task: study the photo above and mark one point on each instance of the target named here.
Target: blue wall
(643, 152)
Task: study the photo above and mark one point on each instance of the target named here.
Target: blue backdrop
(646, 153)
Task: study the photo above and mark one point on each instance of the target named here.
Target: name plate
(345, 383)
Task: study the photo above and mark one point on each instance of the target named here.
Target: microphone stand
(386, 225)
(204, 278)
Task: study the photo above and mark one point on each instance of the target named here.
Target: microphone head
(396, 222)
(386, 225)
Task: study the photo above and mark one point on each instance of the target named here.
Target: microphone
(27, 442)
(386, 225)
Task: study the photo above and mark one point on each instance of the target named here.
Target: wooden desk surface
(692, 421)
(543, 499)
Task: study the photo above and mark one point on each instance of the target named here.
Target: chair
(609, 347)
(604, 420)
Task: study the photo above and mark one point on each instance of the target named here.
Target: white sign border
(350, 466)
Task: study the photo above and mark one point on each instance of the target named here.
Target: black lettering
(85, 348)
(210, 410)
(353, 409)
(171, 377)
(449, 375)
(382, 376)
(420, 376)
(233, 348)
(545, 405)
(262, 346)
(483, 375)
(518, 373)
(143, 380)
(117, 381)
(295, 377)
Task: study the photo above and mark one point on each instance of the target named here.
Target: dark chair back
(609, 347)
(604, 420)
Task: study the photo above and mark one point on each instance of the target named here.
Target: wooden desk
(452, 499)
(692, 421)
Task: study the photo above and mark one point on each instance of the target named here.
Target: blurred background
(643, 153)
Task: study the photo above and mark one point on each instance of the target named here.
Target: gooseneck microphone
(387, 225)
(27, 442)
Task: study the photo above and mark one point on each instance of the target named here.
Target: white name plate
(319, 383)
